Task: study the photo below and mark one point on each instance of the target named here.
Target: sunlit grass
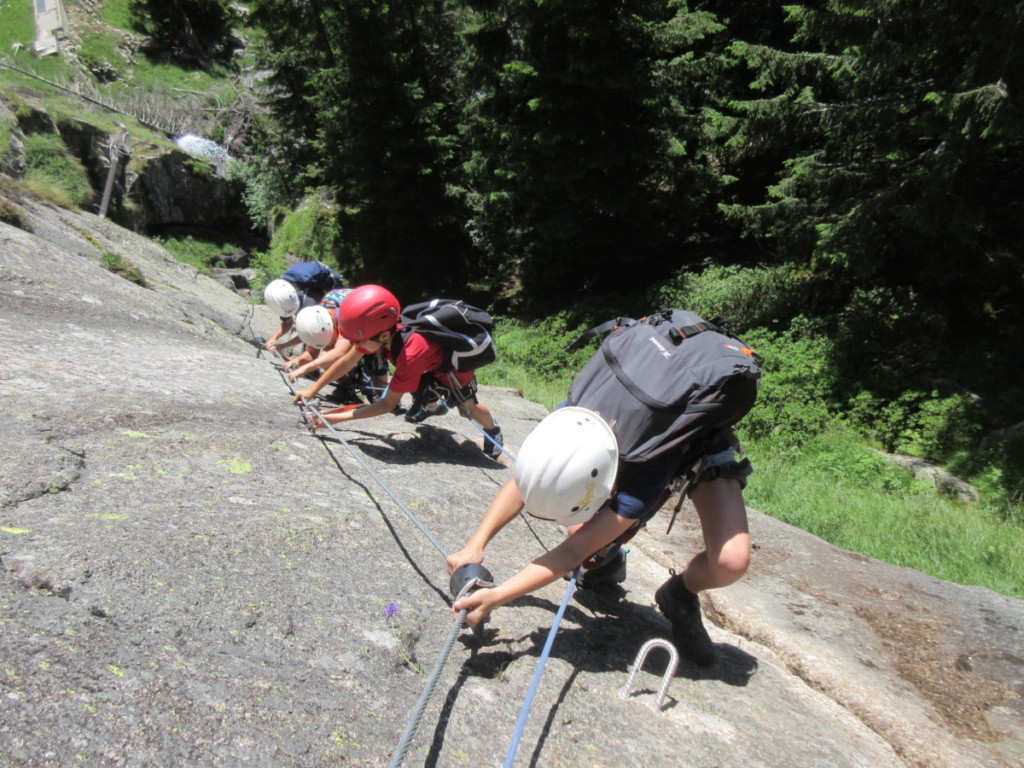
(202, 253)
(839, 489)
(18, 27)
(115, 13)
(54, 174)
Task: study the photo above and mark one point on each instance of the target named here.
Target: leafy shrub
(750, 298)
(308, 233)
(997, 469)
(263, 189)
(924, 424)
(267, 267)
(794, 402)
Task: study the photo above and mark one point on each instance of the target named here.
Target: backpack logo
(664, 352)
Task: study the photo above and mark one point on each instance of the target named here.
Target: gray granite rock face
(189, 578)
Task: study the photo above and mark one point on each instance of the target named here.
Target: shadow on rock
(606, 642)
(428, 445)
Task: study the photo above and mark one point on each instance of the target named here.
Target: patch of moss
(11, 213)
(122, 267)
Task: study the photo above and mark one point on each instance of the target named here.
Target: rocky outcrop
(176, 189)
(12, 152)
(155, 186)
(945, 482)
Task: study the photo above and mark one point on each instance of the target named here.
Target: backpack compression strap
(686, 331)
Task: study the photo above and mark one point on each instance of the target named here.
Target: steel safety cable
(431, 683)
(428, 690)
(414, 721)
(408, 513)
(435, 674)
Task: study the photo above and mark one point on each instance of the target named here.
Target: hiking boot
(421, 414)
(493, 446)
(688, 633)
(608, 573)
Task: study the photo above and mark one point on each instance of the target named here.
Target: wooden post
(117, 148)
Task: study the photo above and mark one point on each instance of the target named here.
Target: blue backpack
(313, 278)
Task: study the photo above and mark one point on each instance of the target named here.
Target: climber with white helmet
(314, 327)
(317, 327)
(668, 390)
(302, 285)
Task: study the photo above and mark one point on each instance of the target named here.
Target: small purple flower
(391, 610)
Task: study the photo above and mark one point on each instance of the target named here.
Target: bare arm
(339, 368)
(301, 361)
(506, 505)
(379, 407)
(290, 343)
(596, 533)
(286, 325)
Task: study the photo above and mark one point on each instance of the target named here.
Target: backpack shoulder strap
(398, 341)
(597, 330)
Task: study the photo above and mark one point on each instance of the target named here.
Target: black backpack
(463, 330)
(665, 381)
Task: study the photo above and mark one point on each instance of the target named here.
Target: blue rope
(400, 753)
(488, 437)
(524, 713)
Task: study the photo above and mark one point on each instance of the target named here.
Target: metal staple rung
(670, 671)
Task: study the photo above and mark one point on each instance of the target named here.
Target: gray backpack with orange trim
(666, 381)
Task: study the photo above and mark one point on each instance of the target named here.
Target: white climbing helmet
(567, 465)
(315, 326)
(281, 296)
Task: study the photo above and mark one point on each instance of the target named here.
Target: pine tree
(895, 128)
(365, 94)
(586, 170)
(189, 31)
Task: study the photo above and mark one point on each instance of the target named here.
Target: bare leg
(723, 521)
(480, 414)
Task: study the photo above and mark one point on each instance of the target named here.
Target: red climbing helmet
(367, 311)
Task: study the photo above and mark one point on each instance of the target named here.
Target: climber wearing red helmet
(370, 319)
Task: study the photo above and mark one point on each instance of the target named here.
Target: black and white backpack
(462, 329)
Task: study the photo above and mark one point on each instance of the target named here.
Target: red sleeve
(419, 355)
